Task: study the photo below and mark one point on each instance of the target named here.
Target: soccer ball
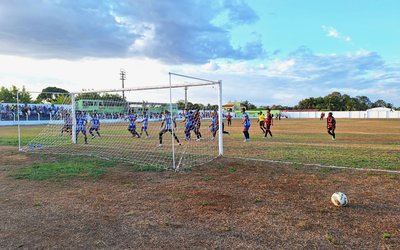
(339, 199)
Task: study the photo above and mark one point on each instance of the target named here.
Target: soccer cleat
(180, 144)
(245, 140)
(198, 139)
(93, 136)
(213, 138)
(160, 145)
(333, 139)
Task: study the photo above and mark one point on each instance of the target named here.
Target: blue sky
(278, 51)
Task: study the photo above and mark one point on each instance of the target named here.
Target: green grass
(63, 168)
(386, 236)
(361, 143)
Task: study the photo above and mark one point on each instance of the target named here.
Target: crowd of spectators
(8, 111)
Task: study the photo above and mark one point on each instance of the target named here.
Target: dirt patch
(227, 204)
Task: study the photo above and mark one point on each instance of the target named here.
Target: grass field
(360, 143)
(62, 201)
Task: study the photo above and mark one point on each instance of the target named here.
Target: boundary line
(315, 165)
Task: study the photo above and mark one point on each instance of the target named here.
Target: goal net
(146, 126)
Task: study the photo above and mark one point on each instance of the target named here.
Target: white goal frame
(202, 82)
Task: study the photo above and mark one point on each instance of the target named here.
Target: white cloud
(332, 32)
(211, 66)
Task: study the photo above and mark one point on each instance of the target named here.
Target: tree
(335, 101)
(51, 95)
(379, 103)
(363, 103)
(248, 105)
(180, 104)
(10, 95)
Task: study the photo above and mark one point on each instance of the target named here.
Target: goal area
(174, 126)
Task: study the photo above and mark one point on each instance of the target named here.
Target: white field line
(316, 165)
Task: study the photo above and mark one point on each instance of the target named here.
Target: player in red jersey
(268, 123)
(322, 116)
(331, 125)
(229, 118)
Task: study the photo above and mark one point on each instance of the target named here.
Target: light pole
(123, 78)
(186, 102)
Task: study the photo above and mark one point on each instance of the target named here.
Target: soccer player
(189, 123)
(132, 123)
(229, 119)
(197, 124)
(214, 124)
(331, 125)
(95, 126)
(166, 126)
(67, 124)
(145, 125)
(322, 116)
(81, 125)
(261, 120)
(246, 124)
(268, 123)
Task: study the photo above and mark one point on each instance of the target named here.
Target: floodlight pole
(123, 78)
(186, 101)
(220, 117)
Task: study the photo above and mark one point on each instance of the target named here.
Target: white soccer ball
(339, 199)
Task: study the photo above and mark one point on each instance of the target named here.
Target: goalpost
(147, 127)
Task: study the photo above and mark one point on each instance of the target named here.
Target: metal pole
(172, 123)
(73, 118)
(19, 128)
(186, 102)
(221, 142)
(123, 78)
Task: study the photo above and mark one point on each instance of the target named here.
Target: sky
(267, 52)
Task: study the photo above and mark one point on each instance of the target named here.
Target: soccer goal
(173, 126)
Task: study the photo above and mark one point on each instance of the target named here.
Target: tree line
(334, 101)
(338, 102)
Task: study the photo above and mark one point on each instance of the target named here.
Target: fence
(346, 114)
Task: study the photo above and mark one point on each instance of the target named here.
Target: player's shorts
(331, 127)
(189, 126)
(214, 129)
(132, 127)
(165, 130)
(94, 128)
(268, 125)
(81, 128)
(144, 126)
(246, 127)
(261, 123)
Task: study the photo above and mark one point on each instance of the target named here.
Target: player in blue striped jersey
(145, 125)
(214, 124)
(132, 117)
(166, 126)
(246, 124)
(189, 123)
(81, 125)
(94, 126)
